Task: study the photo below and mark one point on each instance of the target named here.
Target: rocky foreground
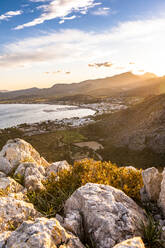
(95, 214)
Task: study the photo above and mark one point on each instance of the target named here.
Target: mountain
(3, 91)
(138, 127)
(123, 84)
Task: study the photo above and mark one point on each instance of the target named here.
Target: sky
(44, 42)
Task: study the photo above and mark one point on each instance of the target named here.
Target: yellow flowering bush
(59, 190)
(127, 179)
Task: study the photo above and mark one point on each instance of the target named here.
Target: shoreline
(99, 108)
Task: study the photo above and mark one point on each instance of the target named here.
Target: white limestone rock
(32, 175)
(57, 166)
(102, 214)
(42, 233)
(9, 185)
(3, 238)
(2, 174)
(131, 243)
(14, 212)
(152, 183)
(17, 151)
(22, 195)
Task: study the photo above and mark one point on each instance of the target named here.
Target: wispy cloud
(105, 64)
(10, 14)
(139, 42)
(102, 11)
(59, 9)
(67, 18)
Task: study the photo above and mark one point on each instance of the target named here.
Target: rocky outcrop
(57, 167)
(152, 183)
(102, 214)
(13, 212)
(131, 243)
(16, 152)
(42, 233)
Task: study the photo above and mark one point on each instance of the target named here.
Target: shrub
(51, 200)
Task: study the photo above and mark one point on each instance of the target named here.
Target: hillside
(123, 84)
(141, 126)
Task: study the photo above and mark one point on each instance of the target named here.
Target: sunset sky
(43, 42)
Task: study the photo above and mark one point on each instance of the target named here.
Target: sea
(15, 114)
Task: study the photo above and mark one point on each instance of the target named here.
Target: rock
(60, 219)
(32, 175)
(2, 174)
(5, 165)
(57, 166)
(143, 195)
(131, 168)
(102, 214)
(152, 183)
(9, 185)
(3, 238)
(17, 151)
(42, 233)
(131, 243)
(13, 212)
(163, 233)
(161, 201)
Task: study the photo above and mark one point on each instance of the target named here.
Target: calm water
(15, 114)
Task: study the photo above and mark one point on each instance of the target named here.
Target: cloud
(105, 64)
(10, 14)
(54, 72)
(131, 63)
(142, 41)
(68, 72)
(67, 18)
(59, 9)
(102, 11)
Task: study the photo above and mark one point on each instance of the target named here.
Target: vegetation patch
(152, 232)
(58, 188)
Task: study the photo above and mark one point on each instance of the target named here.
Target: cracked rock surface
(103, 214)
(42, 233)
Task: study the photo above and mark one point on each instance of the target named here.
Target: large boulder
(13, 212)
(152, 183)
(42, 233)
(18, 151)
(31, 174)
(102, 214)
(131, 243)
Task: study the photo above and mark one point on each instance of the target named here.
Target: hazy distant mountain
(123, 84)
(3, 91)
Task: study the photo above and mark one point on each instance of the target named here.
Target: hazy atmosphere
(44, 42)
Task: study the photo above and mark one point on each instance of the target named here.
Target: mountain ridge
(110, 86)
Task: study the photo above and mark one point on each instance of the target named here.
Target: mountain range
(125, 84)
